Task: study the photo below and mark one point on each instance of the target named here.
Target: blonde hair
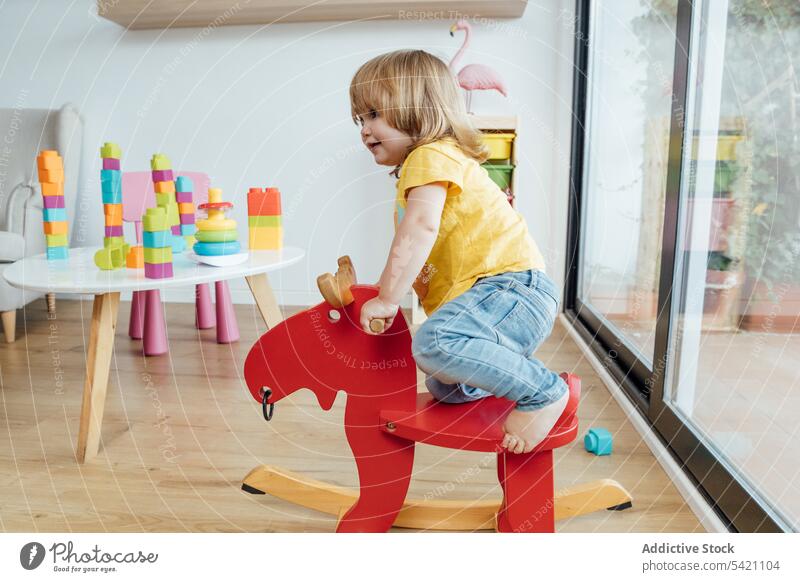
(417, 94)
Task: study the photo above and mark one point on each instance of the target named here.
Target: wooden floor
(180, 431)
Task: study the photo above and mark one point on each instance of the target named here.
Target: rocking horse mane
(325, 350)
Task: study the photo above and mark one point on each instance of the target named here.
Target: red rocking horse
(325, 350)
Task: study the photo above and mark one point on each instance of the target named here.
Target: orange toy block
(185, 208)
(135, 258)
(167, 187)
(49, 160)
(59, 227)
(52, 188)
(265, 202)
(113, 214)
(55, 175)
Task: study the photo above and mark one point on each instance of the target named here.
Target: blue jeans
(480, 343)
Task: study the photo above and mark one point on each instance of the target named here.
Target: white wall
(268, 105)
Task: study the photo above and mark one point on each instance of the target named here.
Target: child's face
(388, 145)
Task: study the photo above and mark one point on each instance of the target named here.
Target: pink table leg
(155, 331)
(136, 324)
(227, 329)
(204, 312)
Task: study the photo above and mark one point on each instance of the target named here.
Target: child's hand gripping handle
(335, 289)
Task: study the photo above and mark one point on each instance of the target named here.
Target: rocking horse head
(325, 350)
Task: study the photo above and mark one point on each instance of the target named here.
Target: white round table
(78, 274)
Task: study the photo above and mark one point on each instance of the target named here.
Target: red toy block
(263, 202)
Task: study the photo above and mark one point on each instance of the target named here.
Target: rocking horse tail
(384, 466)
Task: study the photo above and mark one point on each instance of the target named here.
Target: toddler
(466, 252)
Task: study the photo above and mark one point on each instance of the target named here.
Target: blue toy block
(111, 187)
(55, 214)
(208, 249)
(57, 253)
(188, 229)
(178, 244)
(113, 197)
(598, 441)
(157, 240)
(183, 184)
(112, 176)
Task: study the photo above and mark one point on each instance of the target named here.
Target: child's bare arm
(413, 240)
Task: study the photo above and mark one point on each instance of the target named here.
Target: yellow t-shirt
(480, 234)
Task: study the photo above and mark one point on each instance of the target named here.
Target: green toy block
(56, 240)
(173, 214)
(160, 162)
(113, 241)
(165, 198)
(110, 258)
(264, 220)
(155, 219)
(155, 256)
(110, 150)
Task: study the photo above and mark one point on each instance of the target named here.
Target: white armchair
(26, 132)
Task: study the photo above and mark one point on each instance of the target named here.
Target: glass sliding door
(629, 99)
(683, 269)
(735, 342)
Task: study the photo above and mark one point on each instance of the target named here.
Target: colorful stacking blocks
(51, 177)
(164, 186)
(114, 251)
(598, 441)
(184, 190)
(264, 219)
(216, 235)
(157, 239)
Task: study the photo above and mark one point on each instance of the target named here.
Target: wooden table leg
(265, 299)
(98, 361)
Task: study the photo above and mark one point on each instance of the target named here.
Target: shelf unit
(146, 14)
(487, 124)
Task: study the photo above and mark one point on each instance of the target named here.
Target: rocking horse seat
(474, 426)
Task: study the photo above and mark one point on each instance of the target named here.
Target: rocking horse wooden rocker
(325, 350)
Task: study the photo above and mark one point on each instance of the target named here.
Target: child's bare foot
(527, 428)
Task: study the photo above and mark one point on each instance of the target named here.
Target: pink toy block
(155, 330)
(204, 310)
(187, 218)
(227, 328)
(53, 201)
(176, 229)
(162, 176)
(158, 270)
(181, 197)
(114, 231)
(111, 164)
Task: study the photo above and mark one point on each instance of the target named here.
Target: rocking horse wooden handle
(335, 289)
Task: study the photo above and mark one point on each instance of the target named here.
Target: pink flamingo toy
(474, 77)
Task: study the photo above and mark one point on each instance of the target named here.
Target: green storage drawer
(500, 174)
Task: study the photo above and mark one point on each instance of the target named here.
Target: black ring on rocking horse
(265, 394)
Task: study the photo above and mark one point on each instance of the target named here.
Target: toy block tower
(164, 186)
(157, 239)
(216, 235)
(112, 255)
(264, 219)
(51, 177)
(184, 192)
